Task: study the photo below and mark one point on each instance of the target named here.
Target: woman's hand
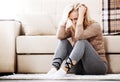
(69, 24)
(82, 11)
(66, 13)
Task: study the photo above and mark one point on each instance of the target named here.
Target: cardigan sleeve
(89, 32)
(62, 33)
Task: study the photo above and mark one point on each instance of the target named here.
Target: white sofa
(28, 45)
(33, 54)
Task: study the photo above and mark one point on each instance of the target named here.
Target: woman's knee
(85, 42)
(81, 41)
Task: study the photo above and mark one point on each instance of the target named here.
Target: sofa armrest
(10, 25)
(9, 29)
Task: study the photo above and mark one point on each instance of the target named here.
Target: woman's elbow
(60, 37)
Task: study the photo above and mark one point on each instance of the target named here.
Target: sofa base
(42, 63)
(34, 63)
(113, 63)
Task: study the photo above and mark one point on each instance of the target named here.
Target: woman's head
(73, 15)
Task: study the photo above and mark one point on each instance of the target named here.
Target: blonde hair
(87, 20)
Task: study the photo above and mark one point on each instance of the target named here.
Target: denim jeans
(88, 60)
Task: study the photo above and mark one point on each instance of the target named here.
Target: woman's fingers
(69, 24)
(66, 12)
(82, 10)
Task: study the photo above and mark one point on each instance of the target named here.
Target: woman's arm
(79, 26)
(90, 31)
(63, 31)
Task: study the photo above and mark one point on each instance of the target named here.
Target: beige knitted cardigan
(92, 33)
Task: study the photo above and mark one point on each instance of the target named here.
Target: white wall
(9, 8)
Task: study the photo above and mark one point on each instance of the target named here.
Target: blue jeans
(88, 60)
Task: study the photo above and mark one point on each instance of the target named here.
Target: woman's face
(73, 16)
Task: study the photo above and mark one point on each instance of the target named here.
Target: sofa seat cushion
(47, 44)
(36, 44)
(112, 44)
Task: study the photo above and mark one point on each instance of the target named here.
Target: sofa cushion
(111, 16)
(41, 17)
(38, 24)
(112, 44)
(36, 44)
(47, 44)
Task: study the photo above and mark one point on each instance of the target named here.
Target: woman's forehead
(74, 14)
